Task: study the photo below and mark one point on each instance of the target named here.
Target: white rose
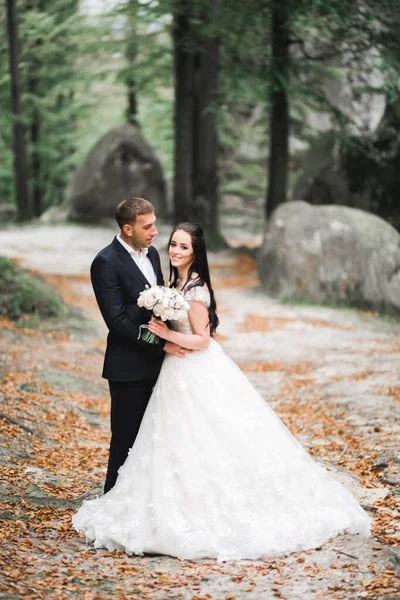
(179, 302)
(159, 293)
(168, 294)
(142, 296)
(168, 313)
(148, 302)
(157, 310)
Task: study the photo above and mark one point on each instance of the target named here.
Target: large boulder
(347, 73)
(121, 164)
(331, 254)
(349, 85)
(361, 173)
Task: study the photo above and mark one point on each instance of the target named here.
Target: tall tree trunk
(130, 56)
(184, 105)
(205, 168)
(279, 111)
(132, 108)
(33, 67)
(20, 170)
(36, 165)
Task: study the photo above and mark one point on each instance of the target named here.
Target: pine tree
(19, 153)
(54, 39)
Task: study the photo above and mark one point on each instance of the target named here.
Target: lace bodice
(194, 294)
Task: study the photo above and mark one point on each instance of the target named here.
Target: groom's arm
(109, 297)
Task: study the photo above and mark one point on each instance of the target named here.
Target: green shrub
(24, 294)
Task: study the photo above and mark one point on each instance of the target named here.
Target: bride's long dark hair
(199, 265)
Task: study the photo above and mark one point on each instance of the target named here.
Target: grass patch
(24, 294)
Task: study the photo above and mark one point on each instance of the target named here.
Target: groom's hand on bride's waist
(176, 350)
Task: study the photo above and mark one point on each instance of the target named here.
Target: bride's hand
(160, 328)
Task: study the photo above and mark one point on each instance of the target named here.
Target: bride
(214, 472)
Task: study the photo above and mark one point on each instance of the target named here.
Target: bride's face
(181, 250)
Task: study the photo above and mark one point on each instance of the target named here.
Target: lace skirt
(215, 473)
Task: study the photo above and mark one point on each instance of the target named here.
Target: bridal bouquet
(166, 303)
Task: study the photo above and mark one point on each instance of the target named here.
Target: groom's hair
(130, 208)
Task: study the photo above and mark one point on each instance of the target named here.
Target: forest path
(332, 375)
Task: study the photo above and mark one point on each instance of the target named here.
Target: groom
(119, 273)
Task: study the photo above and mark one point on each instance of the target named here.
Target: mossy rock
(24, 294)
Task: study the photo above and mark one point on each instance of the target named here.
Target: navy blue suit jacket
(117, 282)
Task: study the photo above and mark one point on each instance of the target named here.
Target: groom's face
(142, 232)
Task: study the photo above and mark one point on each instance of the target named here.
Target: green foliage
(22, 294)
(361, 36)
(155, 117)
(248, 181)
(55, 42)
(75, 70)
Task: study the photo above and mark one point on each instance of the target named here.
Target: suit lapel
(129, 262)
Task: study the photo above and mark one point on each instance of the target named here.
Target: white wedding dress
(214, 473)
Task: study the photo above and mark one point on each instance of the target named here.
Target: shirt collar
(131, 251)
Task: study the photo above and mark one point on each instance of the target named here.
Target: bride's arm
(198, 340)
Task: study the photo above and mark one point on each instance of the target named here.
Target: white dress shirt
(142, 261)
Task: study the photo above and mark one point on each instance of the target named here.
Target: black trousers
(128, 403)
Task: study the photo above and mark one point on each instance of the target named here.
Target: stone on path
(331, 254)
(121, 164)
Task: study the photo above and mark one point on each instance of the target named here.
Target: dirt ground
(332, 375)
